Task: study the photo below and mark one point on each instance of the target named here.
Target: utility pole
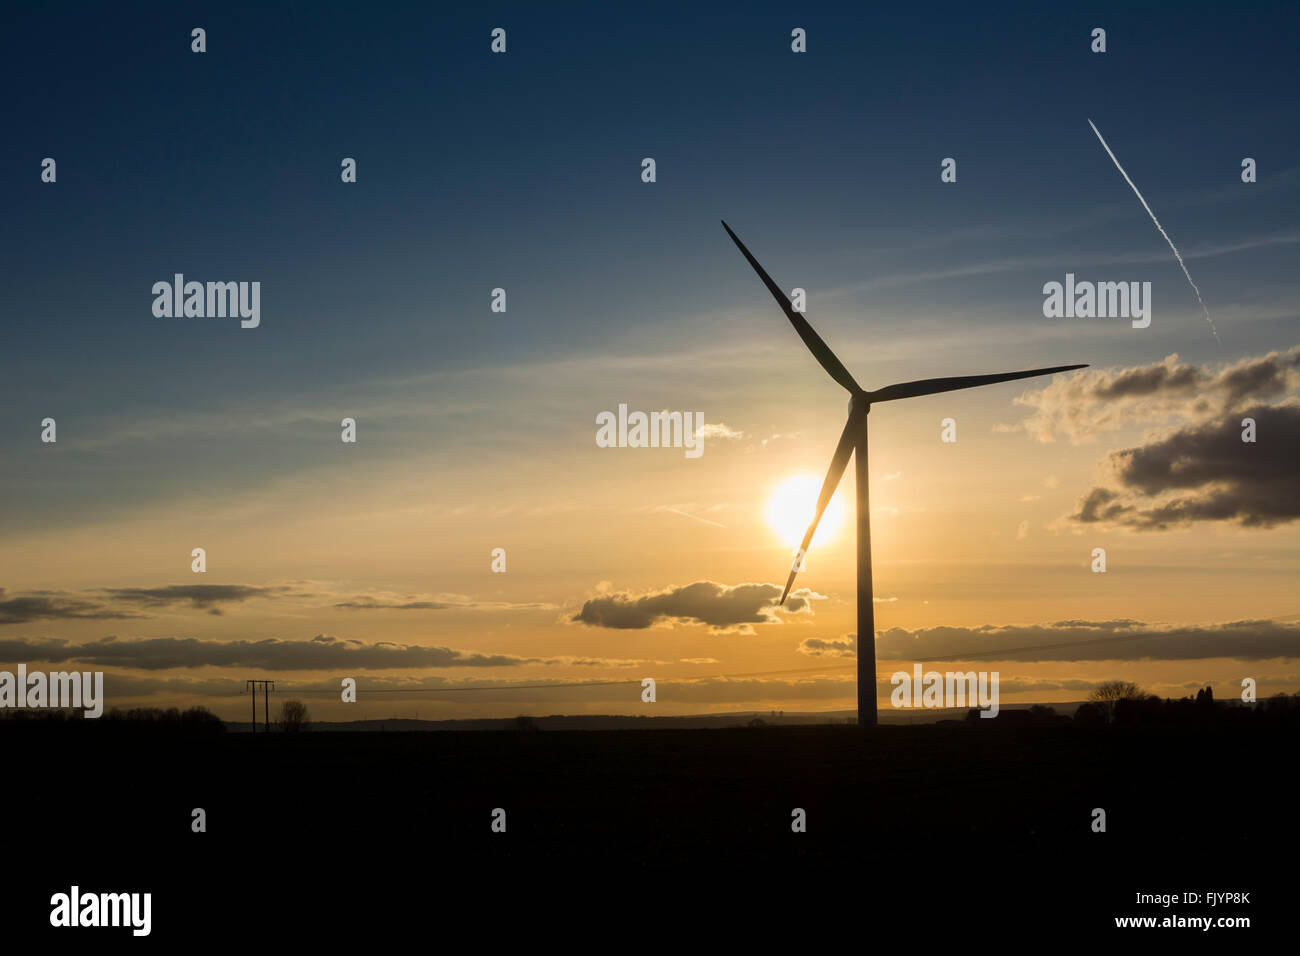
(267, 687)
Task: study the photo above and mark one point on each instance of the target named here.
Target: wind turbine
(853, 441)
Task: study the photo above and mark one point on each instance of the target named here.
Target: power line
(821, 668)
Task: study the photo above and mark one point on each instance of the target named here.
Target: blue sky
(521, 171)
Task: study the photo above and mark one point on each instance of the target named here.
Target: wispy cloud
(388, 601)
(1034, 263)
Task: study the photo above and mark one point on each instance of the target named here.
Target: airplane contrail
(687, 514)
(1177, 255)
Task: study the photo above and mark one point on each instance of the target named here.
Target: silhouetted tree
(1090, 715)
(202, 720)
(1141, 709)
(293, 716)
(524, 722)
(1279, 704)
(1042, 714)
(1112, 692)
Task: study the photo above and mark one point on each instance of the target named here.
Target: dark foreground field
(362, 835)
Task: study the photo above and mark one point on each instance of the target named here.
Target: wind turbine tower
(853, 441)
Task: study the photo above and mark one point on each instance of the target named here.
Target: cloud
(1197, 468)
(371, 604)
(719, 606)
(1206, 473)
(434, 602)
(206, 597)
(846, 646)
(571, 661)
(322, 652)
(719, 430)
(52, 606)
(1078, 640)
(776, 436)
(122, 603)
(130, 603)
(1083, 405)
(1099, 504)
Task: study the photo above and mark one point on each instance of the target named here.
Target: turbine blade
(819, 349)
(932, 386)
(839, 461)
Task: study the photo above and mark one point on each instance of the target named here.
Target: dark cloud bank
(1075, 641)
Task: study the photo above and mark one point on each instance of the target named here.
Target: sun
(791, 506)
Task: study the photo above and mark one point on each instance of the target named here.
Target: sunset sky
(476, 430)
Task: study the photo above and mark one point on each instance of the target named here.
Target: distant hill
(627, 722)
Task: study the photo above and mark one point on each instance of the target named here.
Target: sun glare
(790, 508)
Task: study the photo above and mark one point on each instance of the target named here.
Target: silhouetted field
(992, 820)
